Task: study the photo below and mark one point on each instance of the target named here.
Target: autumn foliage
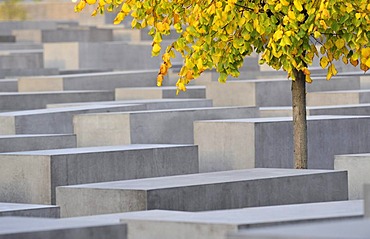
(220, 33)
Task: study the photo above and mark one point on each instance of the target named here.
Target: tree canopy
(219, 34)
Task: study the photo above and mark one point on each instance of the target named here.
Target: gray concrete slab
(151, 104)
(367, 200)
(268, 142)
(44, 228)
(157, 126)
(28, 142)
(338, 97)
(161, 224)
(14, 101)
(101, 55)
(89, 81)
(31, 176)
(54, 120)
(17, 72)
(270, 92)
(163, 92)
(358, 167)
(350, 109)
(77, 34)
(205, 191)
(19, 46)
(21, 59)
(28, 210)
(346, 229)
(10, 85)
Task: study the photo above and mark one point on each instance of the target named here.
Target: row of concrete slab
(117, 158)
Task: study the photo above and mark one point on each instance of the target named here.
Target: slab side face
(235, 141)
(232, 93)
(208, 191)
(102, 129)
(358, 168)
(25, 179)
(7, 125)
(367, 200)
(100, 201)
(170, 230)
(33, 84)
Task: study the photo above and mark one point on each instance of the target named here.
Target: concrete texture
(14, 101)
(28, 210)
(338, 97)
(268, 142)
(77, 34)
(24, 142)
(147, 127)
(31, 177)
(367, 200)
(160, 224)
(45, 228)
(206, 191)
(358, 167)
(269, 92)
(102, 55)
(346, 229)
(150, 104)
(159, 93)
(285, 111)
(21, 59)
(9, 85)
(89, 81)
(17, 72)
(54, 120)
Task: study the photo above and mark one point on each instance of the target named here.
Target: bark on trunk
(299, 120)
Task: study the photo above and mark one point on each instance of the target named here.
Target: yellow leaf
(278, 35)
(284, 3)
(354, 62)
(316, 34)
(367, 63)
(125, 8)
(324, 61)
(120, 16)
(298, 5)
(345, 60)
(340, 43)
(332, 69)
(159, 79)
(91, 2)
(156, 49)
(308, 79)
(365, 52)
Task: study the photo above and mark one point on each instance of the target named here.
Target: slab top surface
(201, 179)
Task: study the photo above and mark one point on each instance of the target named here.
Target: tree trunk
(299, 120)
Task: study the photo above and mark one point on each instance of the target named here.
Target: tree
(289, 34)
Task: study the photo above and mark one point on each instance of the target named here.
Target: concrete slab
(346, 229)
(28, 210)
(142, 127)
(358, 167)
(268, 142)
(10, 85)
(31, 177)
(159, 93)
(338, 97)
(367, 200)
(21, 59)
(100, 55)
(269, 92)
(205, 191)
(150, 104)
(89, 81)
(17, 72)
(14, 101)
(285, 111)
(161, 224)
(43, 228)
(29, 142)
(54, 120)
